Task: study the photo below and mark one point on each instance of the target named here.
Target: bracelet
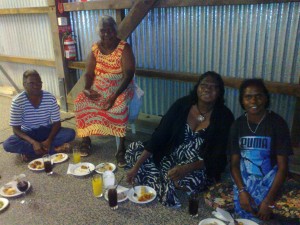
(243, 189)
(271, 206)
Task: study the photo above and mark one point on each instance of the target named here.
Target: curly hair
(257, 83)
(217, 77)
(107, 19)
(29, 73)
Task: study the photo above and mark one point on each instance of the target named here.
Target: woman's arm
(245, 199)
(264, 208)
(128, 69)
(89, 77)
(180, 171)
(134, 170)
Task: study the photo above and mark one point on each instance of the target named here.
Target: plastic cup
(113, 198)
(76, 155)
(47, 164)
(97, 183)
(194, 204)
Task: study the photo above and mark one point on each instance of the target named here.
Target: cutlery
(134, 193)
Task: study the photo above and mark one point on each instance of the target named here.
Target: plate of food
(82, 169)
(144, 194)
(244, 222)
(102, 167)
(59, 157)
(122, 193)
(10, 189)
(36, 165)
(3, 203)
(211, 221)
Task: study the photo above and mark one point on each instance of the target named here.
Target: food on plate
(1, 204)
(58, 157)
(121, 196)
(37, 165)
(83, 167)
(213, 223)
(241, 223)
(104, 167)
(144, 195)
(9, 191)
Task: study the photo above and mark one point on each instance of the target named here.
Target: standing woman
(101, 109)
(259, 144)
(188, 149)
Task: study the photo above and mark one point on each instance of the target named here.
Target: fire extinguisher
(69, 47)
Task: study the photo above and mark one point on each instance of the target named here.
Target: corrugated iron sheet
(22, 3)
(242, 41)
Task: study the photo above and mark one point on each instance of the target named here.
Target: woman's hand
(264, 211)
(246, 201)
(131, 174)
(110, 102)
(177, 173)
(38, 148)
(91, 94)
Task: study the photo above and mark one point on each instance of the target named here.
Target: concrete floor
(65, 199)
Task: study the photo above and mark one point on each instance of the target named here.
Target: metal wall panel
(242, 41)
(22, 3)
(15, 71)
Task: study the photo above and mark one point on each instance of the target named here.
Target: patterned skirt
(156, 177)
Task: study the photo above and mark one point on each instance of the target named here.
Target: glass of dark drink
(113, 198)
(194, 204)
(22, 186)
(47, 164)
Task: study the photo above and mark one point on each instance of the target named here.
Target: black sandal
(85, 147)
(120, 156)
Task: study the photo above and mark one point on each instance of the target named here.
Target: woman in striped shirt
(35, 119)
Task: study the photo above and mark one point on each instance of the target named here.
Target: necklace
(257, 124)
(202, 117)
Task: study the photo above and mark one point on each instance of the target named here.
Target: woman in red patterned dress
(101, 109)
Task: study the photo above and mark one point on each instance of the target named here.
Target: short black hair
(217, 77)
(29, 73)
(257, 83)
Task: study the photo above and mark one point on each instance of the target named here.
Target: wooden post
(60, 62)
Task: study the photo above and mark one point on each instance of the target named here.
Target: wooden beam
(136, 14)
(100, 4)
(127, 4)
(32, 10)
(273, 87)
(24, 60)
(9, 79)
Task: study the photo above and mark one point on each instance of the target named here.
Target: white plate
(122, 191)
(138, 192)
(101, 166)
(245, 222)
(77, 170)
(12, 184)
(5, 203)
(36, 160)
(59, 157)
(211, 220)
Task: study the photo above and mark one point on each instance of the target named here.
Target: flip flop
(65, 148)
(85, 148)
(120, 157)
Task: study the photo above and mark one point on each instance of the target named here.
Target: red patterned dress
(91, 118)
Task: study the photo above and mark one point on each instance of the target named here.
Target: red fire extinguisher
(69, 47)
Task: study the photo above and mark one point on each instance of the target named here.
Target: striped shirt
(24, 114)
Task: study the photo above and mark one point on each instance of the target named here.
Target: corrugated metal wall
(241, 41)
(237, 41)
(27, 36)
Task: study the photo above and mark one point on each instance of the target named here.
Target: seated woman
(188, 148)
(35, 120)
(259, 145)
(102, 108)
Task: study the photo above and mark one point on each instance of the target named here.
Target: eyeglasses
(32, 84)
(209, 86)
